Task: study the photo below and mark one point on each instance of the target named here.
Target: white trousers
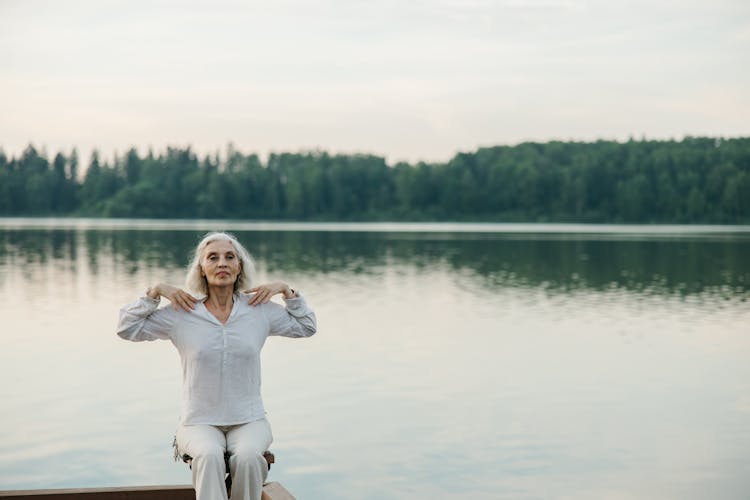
(245, 443)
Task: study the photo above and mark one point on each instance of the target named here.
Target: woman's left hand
(263, 293)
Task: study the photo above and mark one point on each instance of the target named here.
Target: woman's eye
(230, 257)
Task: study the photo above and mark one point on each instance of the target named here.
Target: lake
(478, 361)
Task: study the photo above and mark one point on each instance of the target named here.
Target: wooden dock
(271, 491)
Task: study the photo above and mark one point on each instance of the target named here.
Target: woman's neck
(221, 297)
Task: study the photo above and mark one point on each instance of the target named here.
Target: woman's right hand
(179, 298)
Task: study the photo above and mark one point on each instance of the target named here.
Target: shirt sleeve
(143, 320)
(294, 320)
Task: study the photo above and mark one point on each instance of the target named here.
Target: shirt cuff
(148, 301)
(296, 303)
(142, 307)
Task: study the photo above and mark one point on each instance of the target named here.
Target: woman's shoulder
(245, 297)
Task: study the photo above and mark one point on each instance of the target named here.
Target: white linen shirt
(220, 363)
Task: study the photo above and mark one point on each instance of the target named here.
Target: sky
(407, 80)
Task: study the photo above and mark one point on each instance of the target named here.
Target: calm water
(461, 361)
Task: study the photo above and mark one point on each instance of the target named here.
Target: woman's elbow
(125, 333)
(128, 331)
(309, 326)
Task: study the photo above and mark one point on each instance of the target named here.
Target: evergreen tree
(693, 180)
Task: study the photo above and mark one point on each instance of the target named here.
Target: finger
(185, 305)
(188, 300)
(258, 297)
(177, 302)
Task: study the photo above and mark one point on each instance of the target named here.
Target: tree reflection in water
(675, 264)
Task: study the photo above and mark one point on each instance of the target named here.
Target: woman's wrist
(153, 292)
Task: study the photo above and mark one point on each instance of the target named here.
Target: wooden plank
(274, 491)
(271, 491)
(130, 493)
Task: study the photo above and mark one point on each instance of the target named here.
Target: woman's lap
(244, 439)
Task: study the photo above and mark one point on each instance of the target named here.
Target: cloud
(412, 81)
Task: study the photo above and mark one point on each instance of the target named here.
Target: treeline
(694, 180)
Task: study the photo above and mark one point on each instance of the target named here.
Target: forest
(693, 180)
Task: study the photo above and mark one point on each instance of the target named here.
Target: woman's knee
(247, 457)
(250, 439)
(208, 453)
(201, 442)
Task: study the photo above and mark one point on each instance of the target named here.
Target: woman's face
(220, 263)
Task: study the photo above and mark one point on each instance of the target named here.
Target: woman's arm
(143, 320)
(263, 293)
(294, 320)
(179, 298)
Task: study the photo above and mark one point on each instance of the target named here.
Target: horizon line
(222, 154)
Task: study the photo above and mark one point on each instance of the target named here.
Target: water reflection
(683, 266)
(470, 365)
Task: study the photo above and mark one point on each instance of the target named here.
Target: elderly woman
(219, 335)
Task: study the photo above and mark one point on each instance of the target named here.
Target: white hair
(196, 282)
